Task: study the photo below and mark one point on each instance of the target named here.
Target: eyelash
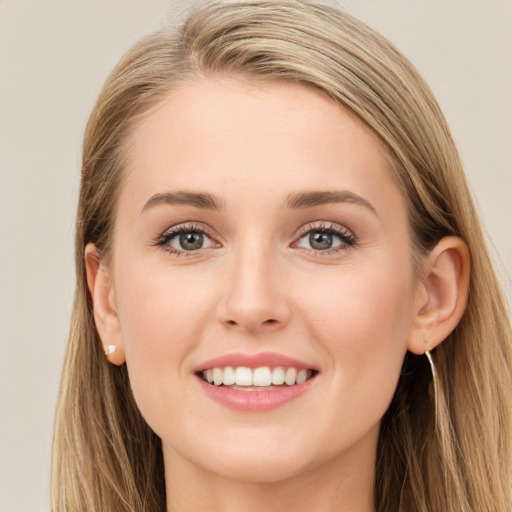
(165, 238)
(347, 238)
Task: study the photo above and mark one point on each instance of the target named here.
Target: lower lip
(254, 401)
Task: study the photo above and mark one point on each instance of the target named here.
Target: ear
(102, 293)
(441, 296)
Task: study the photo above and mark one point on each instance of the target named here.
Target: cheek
(361, 321)
(161, 312)
(359, 308)
(162, 318)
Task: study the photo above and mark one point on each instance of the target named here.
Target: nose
(254, 299)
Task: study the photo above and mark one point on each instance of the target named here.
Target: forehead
(222, 134)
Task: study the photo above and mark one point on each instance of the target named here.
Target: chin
(257, 469)
(249, 459)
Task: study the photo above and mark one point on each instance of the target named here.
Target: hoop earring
(110, 350)
(434, 381)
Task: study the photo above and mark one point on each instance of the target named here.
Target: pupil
(191, 241)
(320, 241)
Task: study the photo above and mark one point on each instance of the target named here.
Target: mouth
(256, 382)
(263, 378)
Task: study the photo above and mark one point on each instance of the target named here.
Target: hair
(105, 456)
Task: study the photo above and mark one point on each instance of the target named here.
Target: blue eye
(185, 239)
(326, 239)
(189, 240)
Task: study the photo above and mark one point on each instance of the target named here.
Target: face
(260, 238)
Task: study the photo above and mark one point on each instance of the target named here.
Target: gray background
(54, 56)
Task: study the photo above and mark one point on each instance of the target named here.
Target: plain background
(54, 57)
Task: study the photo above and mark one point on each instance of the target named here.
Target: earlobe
(442, 296)
(102, 295)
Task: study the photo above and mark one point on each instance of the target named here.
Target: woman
(283, 296)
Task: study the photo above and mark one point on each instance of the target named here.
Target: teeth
(243, 376)
(229, 376)
(290, 376)
(278, 376)
(218, 376)
(302, 375)
(252, 388)
(263, 377)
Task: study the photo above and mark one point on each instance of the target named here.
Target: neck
(341, 486)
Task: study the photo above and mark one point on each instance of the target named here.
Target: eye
(321, 241)
(189, 241)
(326, 239)
(183, 239)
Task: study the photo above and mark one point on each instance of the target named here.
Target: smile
(255, 382)
(264, 378)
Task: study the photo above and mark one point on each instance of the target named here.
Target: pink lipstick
(255, 382)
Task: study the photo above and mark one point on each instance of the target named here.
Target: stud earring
(434, 381)
(110, 350)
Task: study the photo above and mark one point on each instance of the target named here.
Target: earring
(110, 350)
(434, 381)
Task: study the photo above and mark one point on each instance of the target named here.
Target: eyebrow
(196, 199)
(313, 198)
(301, 200)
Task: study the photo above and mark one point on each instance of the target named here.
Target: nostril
(251, 325)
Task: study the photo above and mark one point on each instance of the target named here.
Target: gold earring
(110, 350)
(434, 381)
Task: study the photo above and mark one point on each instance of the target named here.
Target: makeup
(256, 382)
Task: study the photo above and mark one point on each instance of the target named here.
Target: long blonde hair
(105, 456)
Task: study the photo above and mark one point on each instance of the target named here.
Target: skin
(258, 285)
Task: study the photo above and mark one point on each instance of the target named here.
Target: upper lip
(258, 360)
